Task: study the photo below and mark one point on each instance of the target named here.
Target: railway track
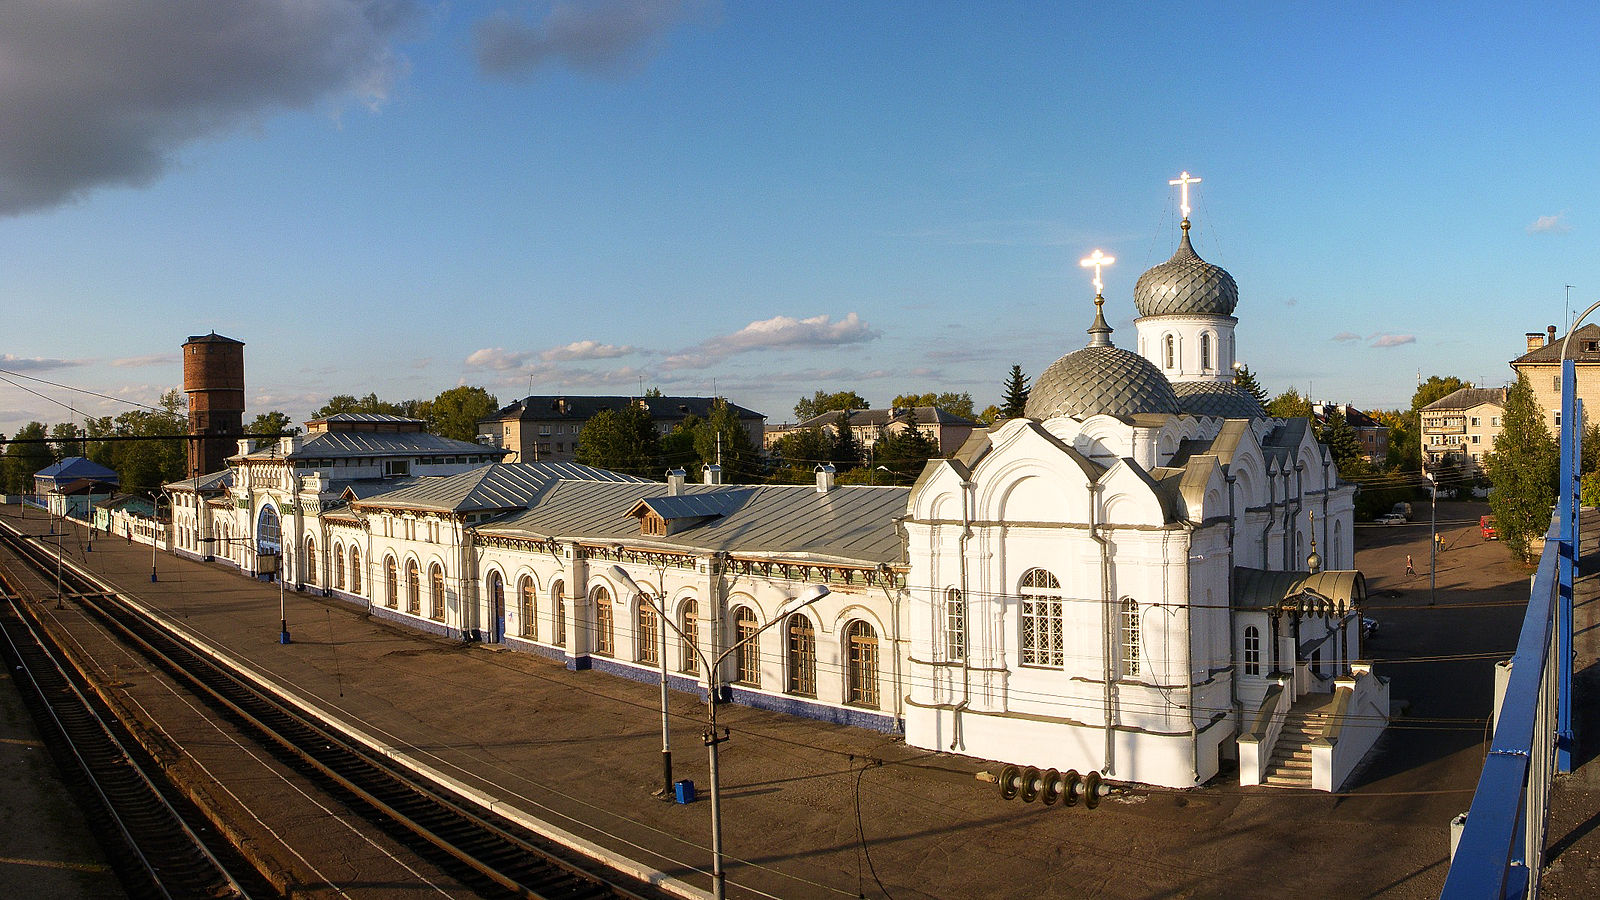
(158, 844)
(496, 857)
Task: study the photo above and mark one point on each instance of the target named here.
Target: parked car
(1369, 627)
(1390, 518)
(1486, 525)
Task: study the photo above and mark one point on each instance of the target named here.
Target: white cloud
(154, 359)
(35, 363)
(600, 37)
(105, 92)
(778, 332)
(585, 350)
(1556, 224)
(1393, 340)
(1345, 337)
(495, 358)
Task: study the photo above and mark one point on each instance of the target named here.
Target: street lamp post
(155, 522)
(811, 594)
(622, 576)
(1433, 533)
(283, 615)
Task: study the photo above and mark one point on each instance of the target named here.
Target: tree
(455, 413)
(846, 450)
(1289, 405)
(1243, 377)
(1436, 388)
(622, 440)
(677, 446)
(952, 403)
(1343, 444)
(65, 440)
(23, 460)
(819, 403)
(903, 450)
(1015, 402)
(990, 415)
(723, 433)
(143, 466)
(272, 422)
(1523, 467)
(345, 403)
(800, 452)
(1405, 449)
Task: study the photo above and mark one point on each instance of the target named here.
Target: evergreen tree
(1243, 377)
(903, 451)
(1343, 444)
(846, 450)
(1523, 468)
(622, 440)
(800, 452)
(1015, 402)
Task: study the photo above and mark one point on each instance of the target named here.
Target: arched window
(647, 631)
(1131, 645)
(311, 560)
(604, 638)
(748, 655)
(1041, 620)
(689, 613)
(355, 572)
(413, 589)
(862, 673)
(1169, 349)
(558, 614)
(1252, 650)
(338, 567)
(497, 598)
(529, 609)
(1205, 351)
(955, 624)
(436, 598)
(802, 656)
(391, 582)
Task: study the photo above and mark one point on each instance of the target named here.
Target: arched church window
(955, 624)
(1132, 641)
(1205, 351)
(802, 656)
(747, 657)
(861, 642)
(338, 567)
(604, 636)
(355, 571)
(1170, 350)
(647, 629)
(1041, 619)
(528, 611)
(413, 588)
(391, 581)
(1252, 650)
(689, 613)
(311, 560)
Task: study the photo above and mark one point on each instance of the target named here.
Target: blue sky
(763, 199)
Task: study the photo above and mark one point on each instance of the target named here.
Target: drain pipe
(1107, 648)
(1187, 608)
(1233, 640)
(966, 610)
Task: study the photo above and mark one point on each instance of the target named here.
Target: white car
(1390, 518)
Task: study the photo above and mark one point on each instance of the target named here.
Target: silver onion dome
(1185, 285)
(1100, 379)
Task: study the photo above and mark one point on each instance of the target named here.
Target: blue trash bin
(683, 791)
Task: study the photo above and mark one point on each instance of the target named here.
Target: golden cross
(1183, 181)
(1096, 260)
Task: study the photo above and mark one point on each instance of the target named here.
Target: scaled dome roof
(1100, 379)
(1209, 398)
(1186, 285)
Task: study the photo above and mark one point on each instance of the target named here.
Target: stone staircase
(1290, 765)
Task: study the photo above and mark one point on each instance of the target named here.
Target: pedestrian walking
(1410, 569)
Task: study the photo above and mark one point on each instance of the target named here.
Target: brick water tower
(213, 377)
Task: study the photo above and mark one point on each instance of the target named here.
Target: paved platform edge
(484, 799)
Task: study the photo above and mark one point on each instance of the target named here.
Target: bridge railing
(1502, 844)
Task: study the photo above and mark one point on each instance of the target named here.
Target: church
(1144, 576)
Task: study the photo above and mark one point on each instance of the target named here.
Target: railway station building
(1144, 576)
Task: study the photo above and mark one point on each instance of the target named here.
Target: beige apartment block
(1465, 422)
(1542, 366)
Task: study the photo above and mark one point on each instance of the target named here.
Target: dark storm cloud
(102, 92)
(598, 37)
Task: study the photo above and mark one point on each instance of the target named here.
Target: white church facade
(1144, 577)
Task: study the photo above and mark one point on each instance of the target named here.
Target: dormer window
(653, 525)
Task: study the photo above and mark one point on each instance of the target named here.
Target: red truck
(1486, 525)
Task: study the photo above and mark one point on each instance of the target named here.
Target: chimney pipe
(675, 479)
(1535, 340)
(825, 475)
